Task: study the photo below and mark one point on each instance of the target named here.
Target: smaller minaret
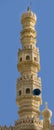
(47, 114)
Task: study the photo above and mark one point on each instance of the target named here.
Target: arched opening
(20, 59)
(27, 57)
(34, 58)
(20, 92)
(27, 90)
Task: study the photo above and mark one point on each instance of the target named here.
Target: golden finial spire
(29, 7)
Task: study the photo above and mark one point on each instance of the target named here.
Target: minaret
(47, 114)
(28, 66)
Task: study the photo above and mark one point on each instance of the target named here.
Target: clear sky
(10, 27)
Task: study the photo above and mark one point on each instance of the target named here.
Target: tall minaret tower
(28, 66)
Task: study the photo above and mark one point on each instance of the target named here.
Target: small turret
(47, 114)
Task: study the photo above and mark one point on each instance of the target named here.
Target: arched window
(27, 90)
(20, 59)
(34, 58)
(20, 92)
(27, 57)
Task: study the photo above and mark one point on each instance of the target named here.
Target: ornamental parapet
(28, 40)
(29, 123)
(28, 30)
(28, 34)
(28, 81)
(29, 47)
(26, 77)
(3, 128)
(7, 128)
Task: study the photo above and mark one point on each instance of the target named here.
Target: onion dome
(28, 15)
(47, 113)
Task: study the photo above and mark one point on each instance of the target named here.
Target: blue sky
(10, 27)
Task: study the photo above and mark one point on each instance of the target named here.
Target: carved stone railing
(7, 128)
(28, 123)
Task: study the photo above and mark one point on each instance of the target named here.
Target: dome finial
(29, 7)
